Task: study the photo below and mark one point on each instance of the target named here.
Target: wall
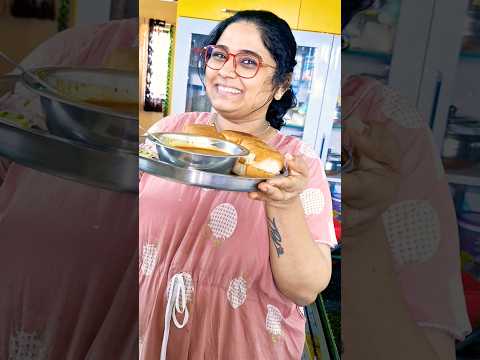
(33, 32)
(158, 9)
(92, 11)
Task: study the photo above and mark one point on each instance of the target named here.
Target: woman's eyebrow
(240, 51)
(249, 52)
(223, 46)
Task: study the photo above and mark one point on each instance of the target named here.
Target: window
(157, 74)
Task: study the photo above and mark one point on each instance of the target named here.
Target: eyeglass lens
(246, 65)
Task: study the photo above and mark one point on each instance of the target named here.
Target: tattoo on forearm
(275, 236)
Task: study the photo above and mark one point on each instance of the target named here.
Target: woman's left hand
(280, 191)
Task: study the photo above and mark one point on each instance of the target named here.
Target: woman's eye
(250, 62)
(218, 55)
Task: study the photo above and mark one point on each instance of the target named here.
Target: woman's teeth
(228, 90)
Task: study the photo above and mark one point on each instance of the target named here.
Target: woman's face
(232, 96)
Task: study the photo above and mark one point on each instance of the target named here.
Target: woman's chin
(222, 107)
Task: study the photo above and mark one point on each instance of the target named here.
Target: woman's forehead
(243, 36)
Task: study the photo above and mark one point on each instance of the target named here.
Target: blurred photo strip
(68, 179)
(240, 186)
(410, 179)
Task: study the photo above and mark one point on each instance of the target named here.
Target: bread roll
(203, 130)
(263, 161)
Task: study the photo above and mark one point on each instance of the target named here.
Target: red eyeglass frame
(260, 63)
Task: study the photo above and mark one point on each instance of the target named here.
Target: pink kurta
(420, 226)
(68, 251)
(218, 241)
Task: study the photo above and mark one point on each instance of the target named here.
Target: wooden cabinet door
(321, 16)
(219, 10)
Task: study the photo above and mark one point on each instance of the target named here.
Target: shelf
(369, 54)
(335, 179)
(470, 176)
(293, 126)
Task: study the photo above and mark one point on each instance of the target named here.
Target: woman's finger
(297, 165)
(284, 182)
(297, 178)
(273, 193)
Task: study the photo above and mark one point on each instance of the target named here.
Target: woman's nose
(228, 69)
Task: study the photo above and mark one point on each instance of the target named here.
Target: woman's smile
(228, 91)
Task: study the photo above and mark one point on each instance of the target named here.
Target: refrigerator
(316, 82)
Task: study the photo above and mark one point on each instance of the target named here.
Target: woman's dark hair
(352, 7)
(277, 37)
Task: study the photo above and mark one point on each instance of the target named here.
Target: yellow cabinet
(320, 15)
(159, 9)
(221, 9)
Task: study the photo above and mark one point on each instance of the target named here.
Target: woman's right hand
(371, 186)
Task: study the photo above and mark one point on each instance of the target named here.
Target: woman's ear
(283, 88)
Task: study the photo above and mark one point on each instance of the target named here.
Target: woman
(243, 263)
(402, 295)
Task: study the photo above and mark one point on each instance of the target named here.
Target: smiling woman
(274, 59)
(231, 270)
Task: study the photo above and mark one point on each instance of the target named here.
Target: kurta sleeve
(317, 202)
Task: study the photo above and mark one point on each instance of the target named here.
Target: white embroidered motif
(313, 201)
(237, 292)
(413, 231)
(223, 221)
(188, 281)
(301, 310)
(398, 109)
(26, 346)
(273, 321)
(149, 259)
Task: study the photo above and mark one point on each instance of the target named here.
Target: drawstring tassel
(176, 303)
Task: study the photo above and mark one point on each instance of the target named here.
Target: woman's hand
(372, 185)
(282, 190)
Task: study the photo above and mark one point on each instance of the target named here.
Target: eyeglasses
(246, 64)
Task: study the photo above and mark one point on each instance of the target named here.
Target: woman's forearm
(300, 267)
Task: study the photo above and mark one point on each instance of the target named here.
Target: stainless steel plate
(194, 177)
(112, 170)
(72, 116)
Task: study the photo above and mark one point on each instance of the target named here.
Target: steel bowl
(69, 113)
(167, 148)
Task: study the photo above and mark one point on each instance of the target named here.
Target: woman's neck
(252, 126)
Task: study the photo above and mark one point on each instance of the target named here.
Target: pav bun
(263, 160)
(203, 130)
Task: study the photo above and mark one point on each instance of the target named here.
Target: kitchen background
(171, 37)
(39, 20)
(429, 51)
(444, 85)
